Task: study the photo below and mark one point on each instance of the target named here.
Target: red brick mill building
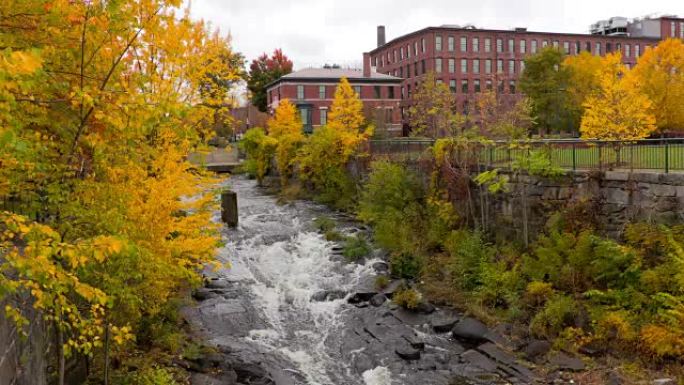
(312, 90)
(470, 60)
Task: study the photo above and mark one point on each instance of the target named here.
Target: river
(262, 314)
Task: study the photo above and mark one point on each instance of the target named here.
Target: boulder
(327, 295)
(360, 297)
(425, 308)
(381, 267)
(205, 379)
(377, 300)
(479, 360)
(203, 294)
(217, 283)
(470, 330)
(565, 362)
(536, 348)
(407, 352)
(443, 323)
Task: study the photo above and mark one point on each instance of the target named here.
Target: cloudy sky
(314, 32)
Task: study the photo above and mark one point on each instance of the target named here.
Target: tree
(432, 112)
(502, 120)
(659, 75)
(263, 71)
(583, 71)
(545, 82)
(260, 149)
(617, 111)
(346, 111)
(286, 127)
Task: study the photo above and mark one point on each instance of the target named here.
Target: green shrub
(324, 224)
(405, 265)
(468, 255)
(259, 149)
(355, 248)
(558, 313)
(146, 376)
(333, 236)
(381, 282)
(407, 298)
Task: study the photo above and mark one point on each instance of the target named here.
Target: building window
(500, 86)
(452, 86)
(511, 45)
(357, 89)
(522, 66)
(523, 46)
(609, 48)
(511, 67)
(450, 43)
(376, 92)
(499, 66)
(438, 65)
(452, 66)
(578, 48)
(422, 66)
(403, 94)
(438, 43)
(415, 48)
(511, 86)
(304, 113)
(556, 44)
(415, 69)
(488, 66)
(488, 45)
(324, 116)
(464, 86)
(628, 50)
(439, 81)
(401, 53)
(464, 44)
(476, 66)
(300, 92)
(545, 43)
(566, 47)
(395, 56)
(408, 90)
(464, 66)
(321, 92)
(597, 50)
(533, 46)
(488, 84)
(401, 72)
(422, 43)
(390, 92)
(637, 51)
(476, 84)
(408, 51)
(673, 32)
(476, 44)
(499, 45)
(681, 30)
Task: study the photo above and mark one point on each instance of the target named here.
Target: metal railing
(661, 155)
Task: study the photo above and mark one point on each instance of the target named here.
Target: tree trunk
(60, 349)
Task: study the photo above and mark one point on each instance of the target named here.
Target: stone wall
(23, 357)
(616, 198)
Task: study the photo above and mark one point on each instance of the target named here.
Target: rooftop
(335, 73)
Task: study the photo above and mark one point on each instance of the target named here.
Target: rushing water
(281, 261)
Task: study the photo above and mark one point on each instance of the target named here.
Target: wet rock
(471, 330)
(217, 283)
(381, 267)
(377, 300)
(443, 324)
(410, 317)
(393, 286)
(361, 305)
(205, 379)
(415, 342)
(479, 360)
(565, 362)
(328, 295)
(407, 352)
(360, 297)
(592, 349)
(496, 353)
(664, 381)
(536, 348)
(203, 294)
(425, 308)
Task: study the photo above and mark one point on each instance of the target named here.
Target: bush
(355, 248)
(381, 282)
(558, 313)
(324, 224)
(147, 376)
(405, 265)
(468, 254)
(537, 293)
(407, 298)
(259, 149)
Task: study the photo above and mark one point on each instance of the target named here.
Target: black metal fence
(660, 155)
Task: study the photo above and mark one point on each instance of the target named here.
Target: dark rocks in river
(443, 323)
(381, 267)
(203, 294)
(425, 308)
(328, 295)
(377, 300)
(360, 297)
(217, 283)
(536, 348)
(479, 360)
(407, 352)
(470, 330)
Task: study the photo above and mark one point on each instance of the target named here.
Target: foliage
(618, 111)
(405, 265)
(264, 70)
(545, 82)
(583, 71)
(259, 149)
(432, 111)
(468, 255)
(381, 282)
(100, 104)
(355, 248)
(346, 111)
(659, 75)
(558, 313)
(501, 120)
(286, 127)
(324, 224)
(407, 298)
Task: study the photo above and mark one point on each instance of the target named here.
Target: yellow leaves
(20, 62)
(121, 335)
(617, 111)
(346, 112)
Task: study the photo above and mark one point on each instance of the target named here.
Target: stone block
(663, 190)
(616, 195)
(620, 176)
(646, 177)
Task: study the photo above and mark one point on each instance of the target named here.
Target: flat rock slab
(479, 360)
(471, 330)
(566, 362)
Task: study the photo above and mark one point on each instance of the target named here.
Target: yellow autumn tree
(286, 127)
(346, 112)
(583, 72)
(617, 110)
(100, 103)
(659, 75)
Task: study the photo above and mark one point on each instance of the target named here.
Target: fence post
(600, 161)
(667, 156)
(574, 159)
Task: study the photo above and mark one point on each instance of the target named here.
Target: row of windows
(568, 47)
(673, 29)
(323, 94)
(464, 86)
(398, 55)
(305, 114)
(475, 64)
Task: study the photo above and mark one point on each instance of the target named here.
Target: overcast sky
(314, 32)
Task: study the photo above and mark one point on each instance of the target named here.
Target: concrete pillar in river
(229, 209)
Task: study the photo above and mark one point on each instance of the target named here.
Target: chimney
(366, 65)
(381, 35)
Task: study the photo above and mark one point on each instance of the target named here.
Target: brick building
(312, 91)
(470, 60)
